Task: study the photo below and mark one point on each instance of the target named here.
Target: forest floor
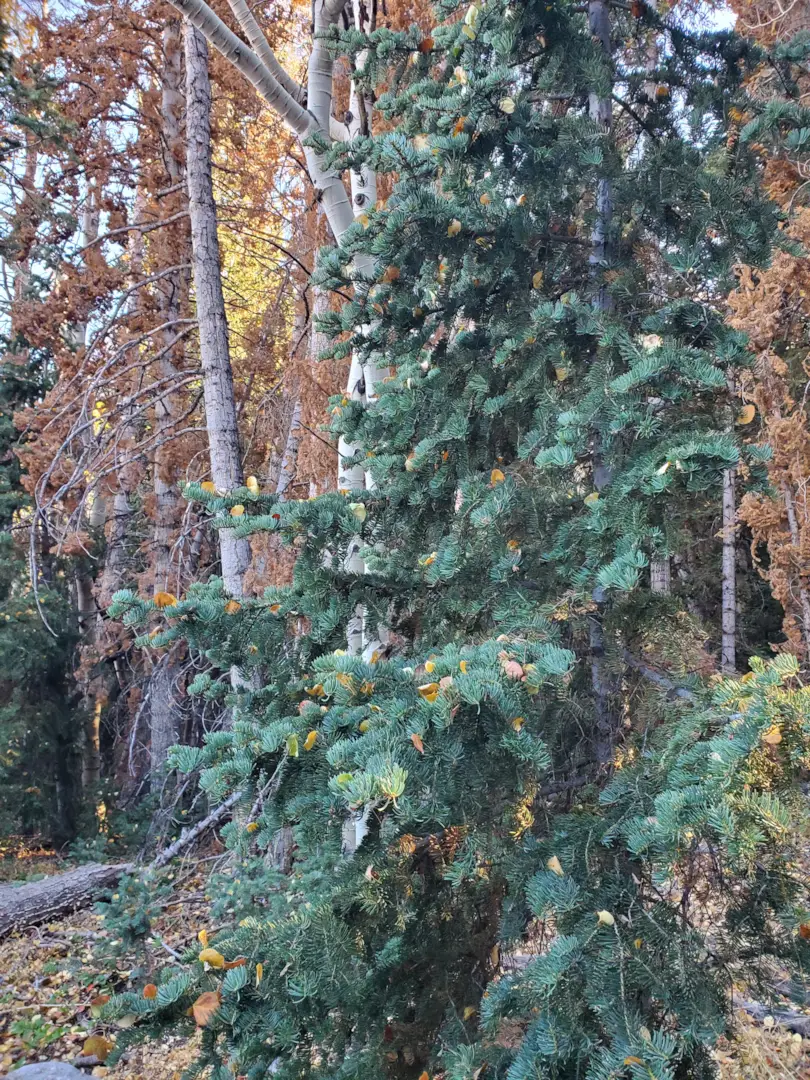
(51, 975)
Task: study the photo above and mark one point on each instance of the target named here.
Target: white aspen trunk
(115, 557)
(220, 405)
(728, 651)
(660, 576)
(164, 716)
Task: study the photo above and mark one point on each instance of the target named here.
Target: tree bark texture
(220, 406)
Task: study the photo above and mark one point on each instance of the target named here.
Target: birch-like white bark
(218, 392)
(163, 713)
(728, 649)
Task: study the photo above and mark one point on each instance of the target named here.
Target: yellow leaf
(165, 599)
(746, 414)
(344, 777)
(633, 1061)
(430, 691)
(309, 741)
(238, 510)
(561, 373)
(605, 918)
(507, 105)
(496, 477)
(202, 937)
(773, 736)
(259, 973)
(469, 1011)
(430, 667)
(537, 279)
(97, 1046)
(495, 955)
(458, 127)
(592, 499)
(485, 199)
(468, 32)
(471, 17)
(428, 560)
(359, 510)
(417, 742)
(454, 228)
(555, 866)
(424, 1076)
(252, 826)
(364, 220)
(637, 943)
(213, 958)
(209, 486)
(292, 745)
(461, 75)
(205, 1006)
(363, 726)
(252, 484)
(232, 607)
(463, 667)
(316, 690)
(518, 722)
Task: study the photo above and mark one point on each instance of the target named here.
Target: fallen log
(39, 902)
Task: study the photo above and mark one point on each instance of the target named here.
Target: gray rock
(47, 1070)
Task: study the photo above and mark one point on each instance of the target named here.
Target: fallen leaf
(240, 961)
(592, 499)
(213, 958)
(252, 826)
(205, 1006)
(496, 477)
(605, 918)
(252, 484)
(150, 991)
(202, 937)
(430, 691)
(537, 279)
(746, 414)
(417, 742)
(555, 866)
(259, 973)
(773, 736)
(309, 741)
(232, 607)
(238, 510)
(507, 105)
(97, 1046)
(164, 599)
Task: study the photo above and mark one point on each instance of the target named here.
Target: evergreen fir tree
(544, 328)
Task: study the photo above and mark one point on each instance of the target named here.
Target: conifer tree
(544, 288)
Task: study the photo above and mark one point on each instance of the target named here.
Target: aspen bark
(728, 651)
(220, 405)
(660, 576)
(164, 716)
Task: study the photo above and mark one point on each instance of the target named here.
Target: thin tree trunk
(660, 576)
(728, 653)
(164, 716)
(600, 110)
(220, 406)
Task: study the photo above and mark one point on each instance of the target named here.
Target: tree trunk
(164, 718)
(660, 576)
(220, 406)
(728, 653)
(603, 685)
(41, 901)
